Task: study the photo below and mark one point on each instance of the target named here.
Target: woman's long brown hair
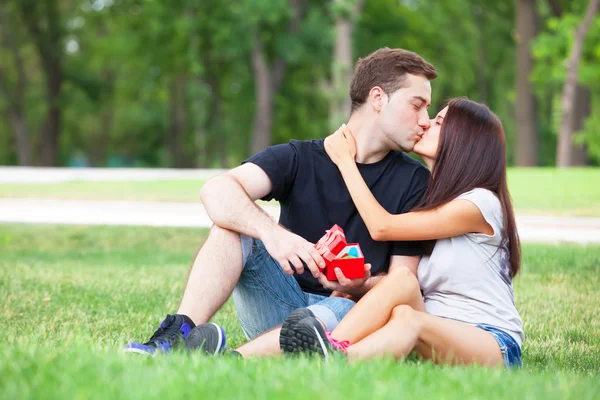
(472, 154)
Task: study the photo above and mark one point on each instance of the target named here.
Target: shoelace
(341, 345)
(168, 331)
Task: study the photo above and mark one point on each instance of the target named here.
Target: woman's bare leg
(373, 311)
(439, 339)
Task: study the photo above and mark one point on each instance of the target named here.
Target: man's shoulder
(317, 145)
(286, 150)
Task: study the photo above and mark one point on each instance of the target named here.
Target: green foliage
(122, 59)
(551, 49)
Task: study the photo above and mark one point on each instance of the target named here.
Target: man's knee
(226, 237)
(217, 230)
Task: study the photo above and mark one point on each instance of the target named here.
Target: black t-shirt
(314, 197)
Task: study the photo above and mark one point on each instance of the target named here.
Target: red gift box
(330, 245)
(333, 248)
(352, 268)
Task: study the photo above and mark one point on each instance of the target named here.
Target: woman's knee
(402, 276)
(403, 313)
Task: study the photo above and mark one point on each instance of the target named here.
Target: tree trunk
(583, 108)
(177, 102)
(564, 156)
(16, 115)
(201, 156)
(22, 139)
(267, 82)
(197, 124)
(51, 132)
(101, 139)
(526, 107)
(340, 104)
(263, 86)
(43, 22)
(213, 139)
(482, 81)
(50, 48)
(216, 111)
(15, 98)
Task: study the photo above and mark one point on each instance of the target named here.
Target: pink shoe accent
(341, 345)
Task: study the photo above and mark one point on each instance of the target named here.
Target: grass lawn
(186, 190)
(73, 296)
(573, 192)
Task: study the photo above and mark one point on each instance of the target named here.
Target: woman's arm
(452, 219)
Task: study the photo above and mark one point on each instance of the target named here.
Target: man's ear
(377, 98)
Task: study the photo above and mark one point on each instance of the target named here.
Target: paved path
(546, 229)
(56, 175)
(531, 228)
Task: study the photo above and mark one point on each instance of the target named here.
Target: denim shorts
(511, 351)
(265, 295)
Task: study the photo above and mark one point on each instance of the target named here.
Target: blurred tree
(345, 13)
(186, 83)
(526, 107)
(268, 76)
(15, 94)
(44, 23)
(564, 156)
(551, 49)
(582, 107)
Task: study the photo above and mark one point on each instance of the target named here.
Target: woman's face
(428, 145)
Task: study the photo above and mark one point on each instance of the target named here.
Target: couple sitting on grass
(442, 248)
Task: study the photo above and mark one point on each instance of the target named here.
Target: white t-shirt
(467, 277)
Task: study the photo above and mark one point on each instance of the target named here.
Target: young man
(249, 255)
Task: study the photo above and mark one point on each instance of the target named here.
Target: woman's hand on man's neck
(371, 144)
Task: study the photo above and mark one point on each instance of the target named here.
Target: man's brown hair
(386, 68)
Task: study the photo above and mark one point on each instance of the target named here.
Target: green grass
(72, 296)
(186, 190)
(574, 192)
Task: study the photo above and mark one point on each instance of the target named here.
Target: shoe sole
(308, 338)
(142, 352)
(222, 339)
(286, 337)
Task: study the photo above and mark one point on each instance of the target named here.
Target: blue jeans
(511, 351)
(265, 295)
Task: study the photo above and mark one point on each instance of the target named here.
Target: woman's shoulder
(481, 196)
(490, 207)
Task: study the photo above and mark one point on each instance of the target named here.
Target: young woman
(461, 309)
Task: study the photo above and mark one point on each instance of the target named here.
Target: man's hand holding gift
(351, 287)
(345, 271)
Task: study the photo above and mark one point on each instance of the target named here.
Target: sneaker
(311, 338)
(209, 338)
(286, 337)
(172, 331)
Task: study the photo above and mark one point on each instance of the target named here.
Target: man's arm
(229, 202)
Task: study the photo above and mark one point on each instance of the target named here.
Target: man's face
(403, 117)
